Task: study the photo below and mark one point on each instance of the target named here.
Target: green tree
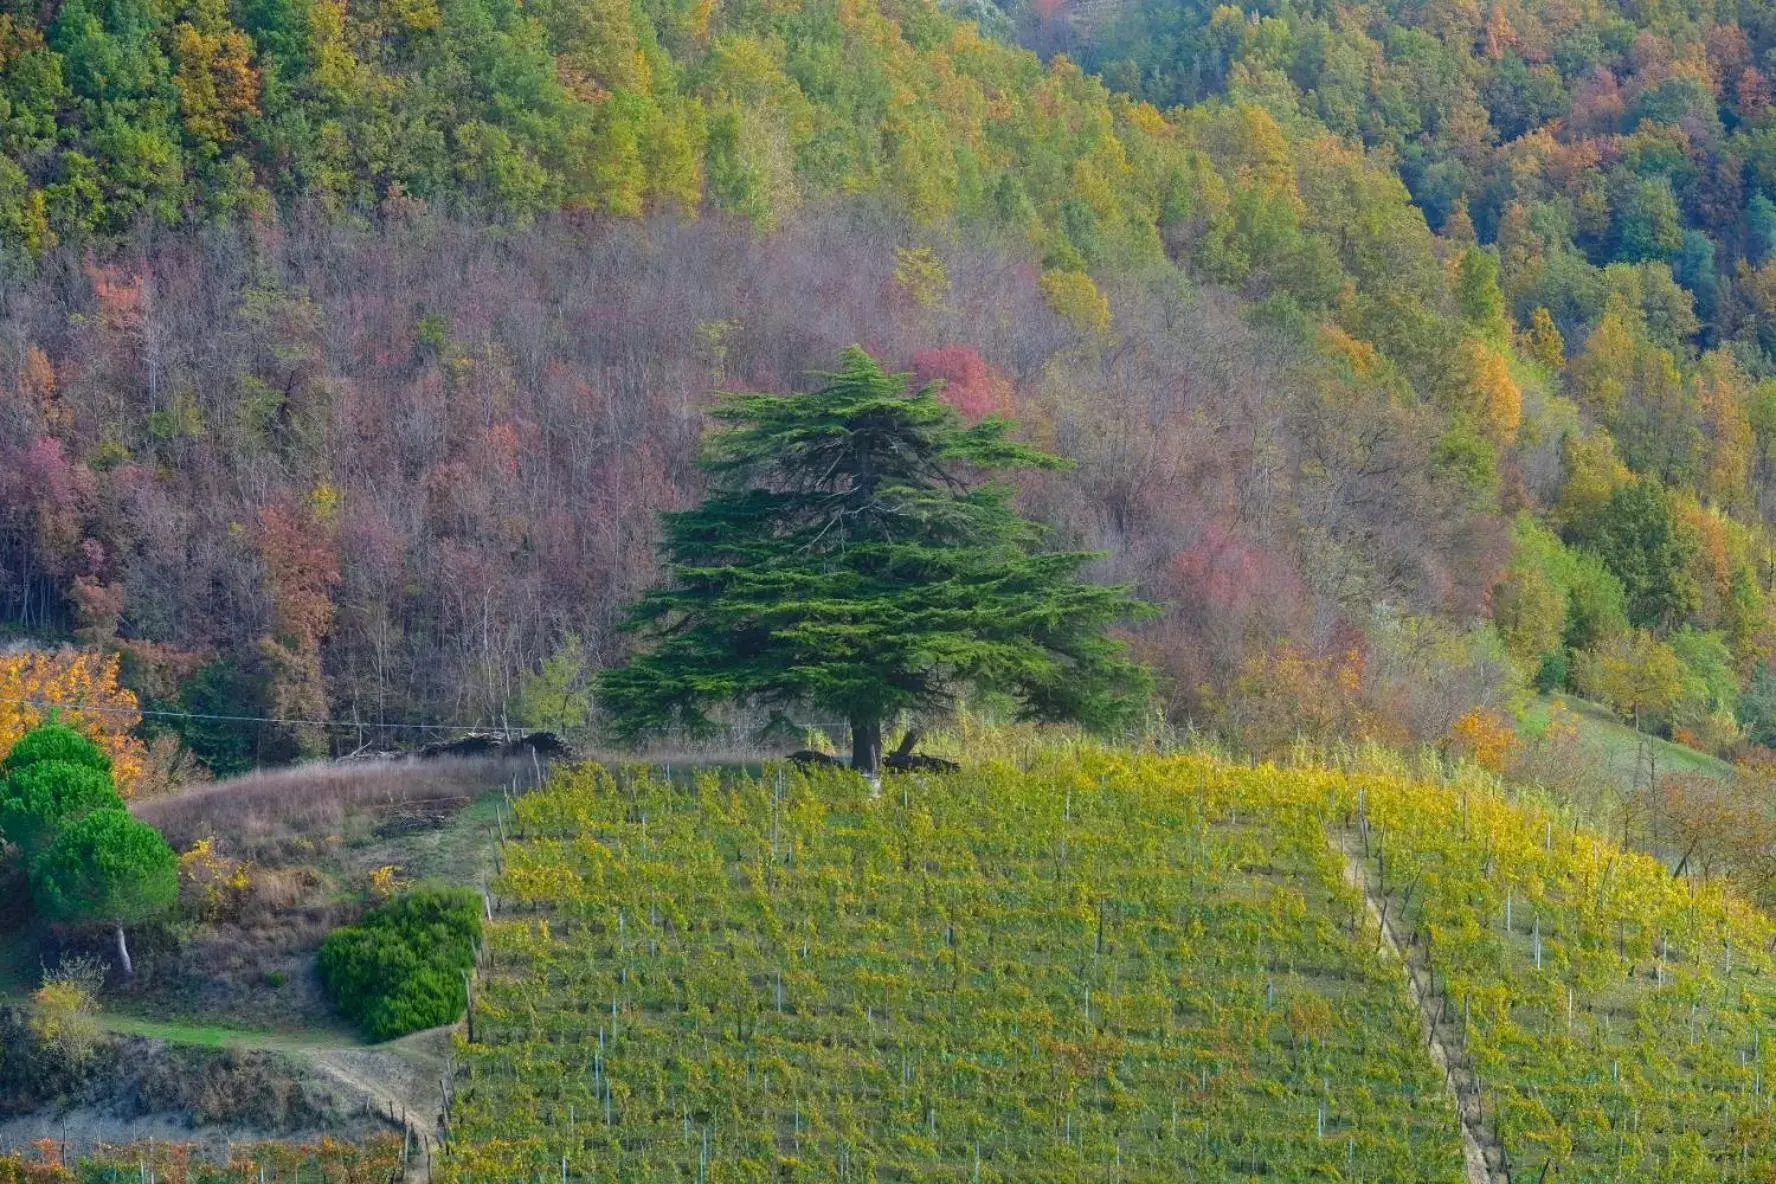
(1529, 609)
(1757, 707)
(40, 799)
(1711, 685)
(55, 741)
(107, 869)
(1596, 604)
(216, 691)
(854, 556)
(1648, 222)
(558, 696)
(1695, 268)
(1479, 296)
(1760, 228)
(1642, 543)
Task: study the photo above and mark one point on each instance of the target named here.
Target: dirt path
(1481, 1149)
(390, 1095)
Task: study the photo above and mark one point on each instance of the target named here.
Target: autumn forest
(1411, 358)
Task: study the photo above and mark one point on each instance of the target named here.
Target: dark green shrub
(1757, 706)
(39, 799)
(231, 746)
(1553, 673)
(400, 969)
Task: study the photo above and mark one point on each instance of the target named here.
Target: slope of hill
(1625, 759)
(1614, 1013)
(1013, 971)
(1093, 968)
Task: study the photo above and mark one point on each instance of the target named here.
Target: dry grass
(265, 814)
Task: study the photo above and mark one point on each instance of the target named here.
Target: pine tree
(107, 869)
(855, 555)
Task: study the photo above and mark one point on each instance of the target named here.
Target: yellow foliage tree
(1593, 474)
(62, 1013)
(1076, 299)
(1543, 343)
(1529, 610)
(1602, 374)
(1722, 398)
(218, 85)
(1488, 393)
(920, 273)
(1364, 360)
(81, 688)
(1635, 673)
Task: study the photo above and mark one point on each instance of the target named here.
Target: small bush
(63, 1020)
(400, 969)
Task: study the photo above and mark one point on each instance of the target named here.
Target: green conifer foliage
(855, 556)
(107, 869)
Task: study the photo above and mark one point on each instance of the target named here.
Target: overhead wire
(348, 724)
(155, 713)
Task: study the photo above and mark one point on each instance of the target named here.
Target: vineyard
(1102, 967)
(1093, 970)
(1612, 1015)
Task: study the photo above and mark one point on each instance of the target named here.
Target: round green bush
(55, 742)
(400, 969)
(38, 800)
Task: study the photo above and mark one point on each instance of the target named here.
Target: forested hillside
(1615, 162)
(347, 352)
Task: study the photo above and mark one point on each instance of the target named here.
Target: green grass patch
(1620, 752)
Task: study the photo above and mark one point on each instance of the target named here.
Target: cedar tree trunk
(866, 746)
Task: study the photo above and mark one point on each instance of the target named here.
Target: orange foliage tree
(1484, 736)
(1284, 694)
(81, 688)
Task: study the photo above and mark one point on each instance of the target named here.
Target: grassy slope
(1615, 747)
